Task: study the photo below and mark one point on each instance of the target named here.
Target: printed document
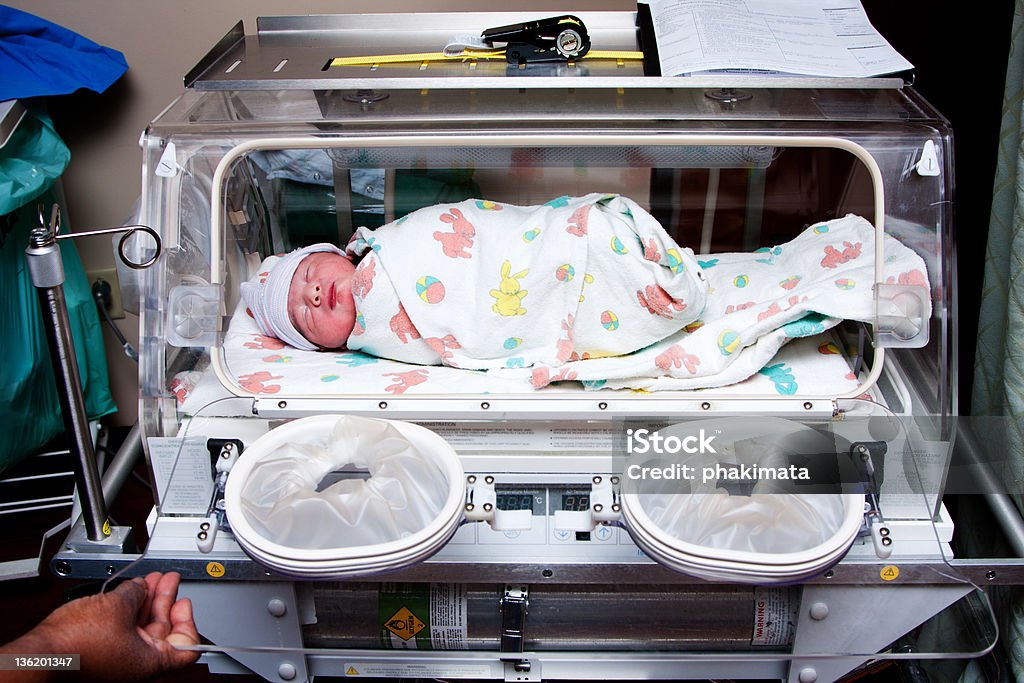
(806, 37)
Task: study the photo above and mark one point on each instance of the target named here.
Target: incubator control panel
(549, 535)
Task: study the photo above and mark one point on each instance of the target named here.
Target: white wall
(162, 41)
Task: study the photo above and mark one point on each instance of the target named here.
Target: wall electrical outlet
(108, 275)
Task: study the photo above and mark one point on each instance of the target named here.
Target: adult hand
(128, 634)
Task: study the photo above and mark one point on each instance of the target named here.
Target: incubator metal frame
(259, 621)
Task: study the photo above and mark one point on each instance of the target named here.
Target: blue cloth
(40, 58)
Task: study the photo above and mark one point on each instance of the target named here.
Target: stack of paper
(806, 37)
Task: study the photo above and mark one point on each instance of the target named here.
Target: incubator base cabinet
(750, 500)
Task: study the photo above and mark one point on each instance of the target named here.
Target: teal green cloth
(28, 394)
(30, 162)
(999, 363)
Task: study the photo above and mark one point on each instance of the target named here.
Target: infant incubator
(337, 514)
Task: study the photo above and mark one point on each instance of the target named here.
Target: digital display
(521, 500)
(515, 501)
(576, 502)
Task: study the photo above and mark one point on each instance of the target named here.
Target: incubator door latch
(515, 602)
(864, 455)
(225, 453)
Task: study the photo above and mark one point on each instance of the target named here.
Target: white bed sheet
(810, 366)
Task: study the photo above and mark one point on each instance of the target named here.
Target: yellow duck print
(508, 297)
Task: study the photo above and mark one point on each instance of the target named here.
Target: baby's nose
(313, 293)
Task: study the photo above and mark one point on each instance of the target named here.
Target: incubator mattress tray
(811, 366)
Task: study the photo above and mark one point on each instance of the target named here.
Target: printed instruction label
(183, 473)
(913, 477)
(488, 437)
(402, 670)
(774, 616)
(448, 618)
(423, 616)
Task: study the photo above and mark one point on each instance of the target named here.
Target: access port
(582, 535)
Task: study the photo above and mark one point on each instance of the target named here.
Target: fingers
(127, 599)
(151, 582)
(165, 624)
(163, 590)
(183, 633)
(164, 594)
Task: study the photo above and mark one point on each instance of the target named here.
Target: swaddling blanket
(481, 285)
(756, 303)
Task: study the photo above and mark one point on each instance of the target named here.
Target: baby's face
(320, 301)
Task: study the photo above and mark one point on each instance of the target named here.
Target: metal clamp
(556, 39)
(515, 602)
(54, 225)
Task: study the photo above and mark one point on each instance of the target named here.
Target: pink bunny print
(442, 345)
(658, 302)
(401, 325)
(256, 382)
(834, 258)
(362, 278)
(455, 243)
(578, 221)
(263, 342)
(676, 357)
(651, 250)
(404, 380)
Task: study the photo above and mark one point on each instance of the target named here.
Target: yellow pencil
(466, 55)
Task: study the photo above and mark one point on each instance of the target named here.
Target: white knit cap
(268, 300)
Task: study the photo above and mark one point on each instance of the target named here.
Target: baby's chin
(330, 344)
(336, 341)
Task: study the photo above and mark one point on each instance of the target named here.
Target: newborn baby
(484, 285)
(306, 299)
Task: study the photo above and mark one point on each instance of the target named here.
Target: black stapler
(555, 39)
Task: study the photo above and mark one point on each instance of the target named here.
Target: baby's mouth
(332, 296)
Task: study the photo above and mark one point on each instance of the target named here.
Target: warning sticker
(775, 612)
(404, 624)
(215, 569)
(889, 572)
(423, 670)
(489, 437)
(423, 616)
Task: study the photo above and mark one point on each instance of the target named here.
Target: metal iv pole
(46, 269)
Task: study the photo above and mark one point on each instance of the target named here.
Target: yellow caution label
(351, 671)
(106, 528)
(889, 572)
(404, 624)
(215, 569)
